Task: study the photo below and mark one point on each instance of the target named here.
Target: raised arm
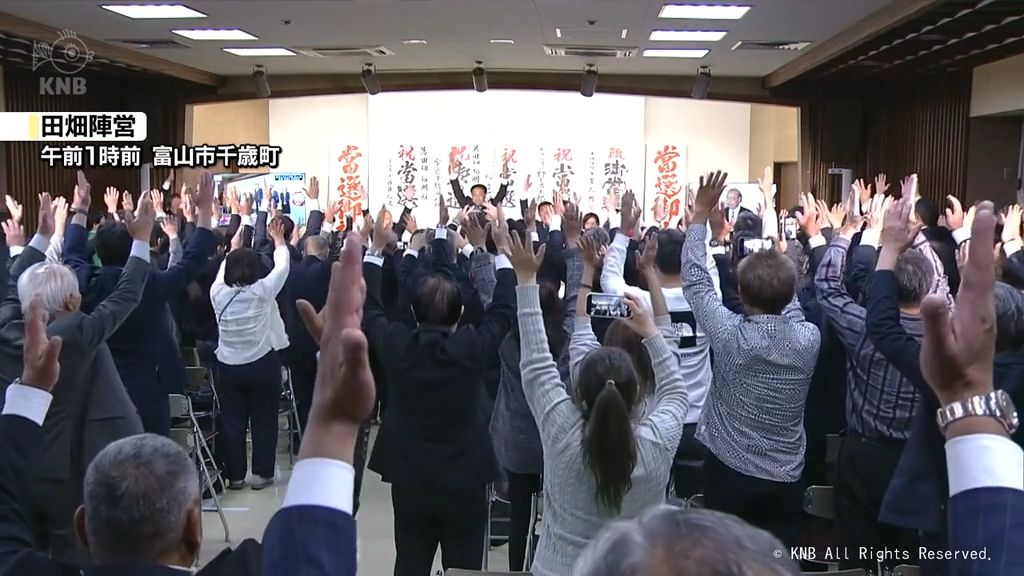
(169, 283)
(270, 285)
(846, 315)
(612, 274)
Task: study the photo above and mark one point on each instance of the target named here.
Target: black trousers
(773, 506)
(688, 469)
(51, 514)
(250, 395)
(426, 517)
(521, 488)
(865, 469)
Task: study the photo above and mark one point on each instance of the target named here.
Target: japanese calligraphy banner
(347, 180)
(665, 197)
(414, 175)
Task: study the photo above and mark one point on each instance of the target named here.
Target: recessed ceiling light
(207, 34)
(260, 51)
(558, 32)
(499, 41)
(624, 32)
(140, 11)
(675, 53)
(414, 41)
(703, 12)
(686, 35)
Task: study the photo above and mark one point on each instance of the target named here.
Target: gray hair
(53, 282)
(914, 277)
(1009, 318)
(138, 491)
(671, 541)
(316, 245)
(598, 234)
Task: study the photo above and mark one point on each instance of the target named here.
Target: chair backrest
(183, 437)
(906, 570)
(190, 356)
(196, 376)
(696, 501)
(178, 405)
(818, 501)
(460, 572)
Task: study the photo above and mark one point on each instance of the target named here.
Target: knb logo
(69, 55)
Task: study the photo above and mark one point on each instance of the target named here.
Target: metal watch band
(996, 404)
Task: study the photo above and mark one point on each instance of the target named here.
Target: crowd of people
(750, 337)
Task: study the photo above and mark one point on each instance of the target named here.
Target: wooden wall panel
(906, 126)
(162, 99)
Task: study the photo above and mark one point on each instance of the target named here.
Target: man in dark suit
(986, 468)
(433, 446)
(478, 192)
(733, 209)
(56, 490)
(144, 347)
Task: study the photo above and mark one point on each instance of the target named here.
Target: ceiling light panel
(153, 11)
(687, 35)
(675, 53)
(212, 34)
(703, 12)
(502, 41)
(260, 51)
(414, 41)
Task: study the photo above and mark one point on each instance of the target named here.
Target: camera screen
(751, 245)
(608, 306)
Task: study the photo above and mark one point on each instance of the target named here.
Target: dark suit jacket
(83, 337)
(433, 432)
(310, 541)
(20, 438)
(464, 200)
(989, 519)
(308, 279)
(918, 489)
(144, 347)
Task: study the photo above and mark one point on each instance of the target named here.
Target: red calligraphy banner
(349, 185)
(666, 177)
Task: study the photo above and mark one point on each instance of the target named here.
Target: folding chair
(193, 440)
(906, 570)
(818, 502)
(492, 497)
(696, 501)
(290, 409)
(536, 521)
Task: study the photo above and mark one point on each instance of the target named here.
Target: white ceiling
(458, 32)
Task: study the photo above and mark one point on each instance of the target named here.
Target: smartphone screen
(607, 306)
(791, 228)
(748, 246)
(225, 220)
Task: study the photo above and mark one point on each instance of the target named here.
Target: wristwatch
(996, 404)
(374, 252)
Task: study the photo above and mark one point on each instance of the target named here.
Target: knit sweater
(573, 515)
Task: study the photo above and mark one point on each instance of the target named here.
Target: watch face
(1006, 408)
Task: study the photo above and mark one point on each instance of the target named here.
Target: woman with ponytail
(603, 461)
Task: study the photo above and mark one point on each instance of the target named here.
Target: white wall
(998, 87)
(716, 134)
(310, 129)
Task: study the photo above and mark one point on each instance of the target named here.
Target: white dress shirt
(984, 461)
(251, 324)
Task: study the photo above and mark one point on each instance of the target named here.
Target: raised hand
(276, 232)
(1011, 226)
(188, 207)
(876, 211)
(110, 198)
(15, 208)
(410, 222)
(442, 212)
(898, 233)
(630, 213)
(765, 183)
(908, 188)
(344, 393)
(881, 185)
(530, 218)
(958, 346)
(313, 189)
(649, 255)
(169, 225)
(955, 213)
(475, 233)
(719, 224)
(708, 194)
(524, 261)
(46, 224)
(463, 214)
(382, 230)
(14, 233)
(593, 254)
(140, 224)
(60, 214)
(500, 235)
(205, 191)
(861, 192)
(490, 210)
(127, 203)
(41, 366)
(572, 224)
(158, 200)
(642, 321)
(558, 204)
(808, 219)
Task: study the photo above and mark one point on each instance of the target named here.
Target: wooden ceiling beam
(862, 31)
(15, 26)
